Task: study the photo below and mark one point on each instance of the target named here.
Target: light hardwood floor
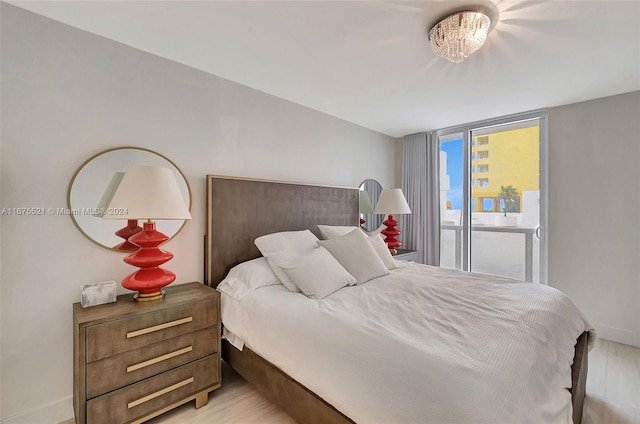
(613, 394)
(613, 384)
(235, 402)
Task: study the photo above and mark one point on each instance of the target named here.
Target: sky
(455, 158)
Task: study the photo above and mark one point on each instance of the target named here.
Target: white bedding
(421, 345)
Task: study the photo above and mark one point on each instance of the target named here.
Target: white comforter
(422, 345)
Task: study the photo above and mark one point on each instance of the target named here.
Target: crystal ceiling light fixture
(457, 36)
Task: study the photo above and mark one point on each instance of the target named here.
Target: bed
(241, 210)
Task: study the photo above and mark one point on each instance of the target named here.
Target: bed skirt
(306, 407)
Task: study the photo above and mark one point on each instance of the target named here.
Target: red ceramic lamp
(392, 202)
(149, 193)
(126, 233)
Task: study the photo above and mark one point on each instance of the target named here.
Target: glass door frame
(466, 131)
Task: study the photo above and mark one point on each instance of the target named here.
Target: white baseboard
(53, 413)
(617, 335)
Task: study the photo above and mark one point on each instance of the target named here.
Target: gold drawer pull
(159, 327)
(159, 359)
(159, 393)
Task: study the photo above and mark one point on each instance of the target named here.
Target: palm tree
(511, 198)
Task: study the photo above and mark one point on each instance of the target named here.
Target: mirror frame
(104, 152)
(378, 228)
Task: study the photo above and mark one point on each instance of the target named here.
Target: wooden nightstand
(134, 360)
(406, 255)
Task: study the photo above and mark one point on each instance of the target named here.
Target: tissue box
(98, 293)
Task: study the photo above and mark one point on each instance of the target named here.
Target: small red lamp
(392, 202)
(150, 193)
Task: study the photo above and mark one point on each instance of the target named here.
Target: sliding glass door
(492, 190)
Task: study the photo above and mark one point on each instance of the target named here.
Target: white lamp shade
(148, 192)
(392, 202)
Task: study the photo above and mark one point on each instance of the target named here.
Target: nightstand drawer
(147, 328)
(120, 370)
(154, 393)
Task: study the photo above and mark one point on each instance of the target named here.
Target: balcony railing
(528, 243)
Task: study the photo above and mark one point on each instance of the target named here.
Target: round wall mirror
(369, 194)
(94, 178)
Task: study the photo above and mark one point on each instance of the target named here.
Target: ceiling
(370, 62)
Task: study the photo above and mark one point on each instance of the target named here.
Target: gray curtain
(421, 187)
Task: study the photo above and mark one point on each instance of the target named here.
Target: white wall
(67, 95)
(594, 211)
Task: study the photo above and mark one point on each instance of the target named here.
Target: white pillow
(284, 249)
(356, 255)
(382, 250)
(244, 278)
(318, 274)
(333, 231)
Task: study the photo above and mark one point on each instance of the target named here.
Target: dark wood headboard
(240, 210)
